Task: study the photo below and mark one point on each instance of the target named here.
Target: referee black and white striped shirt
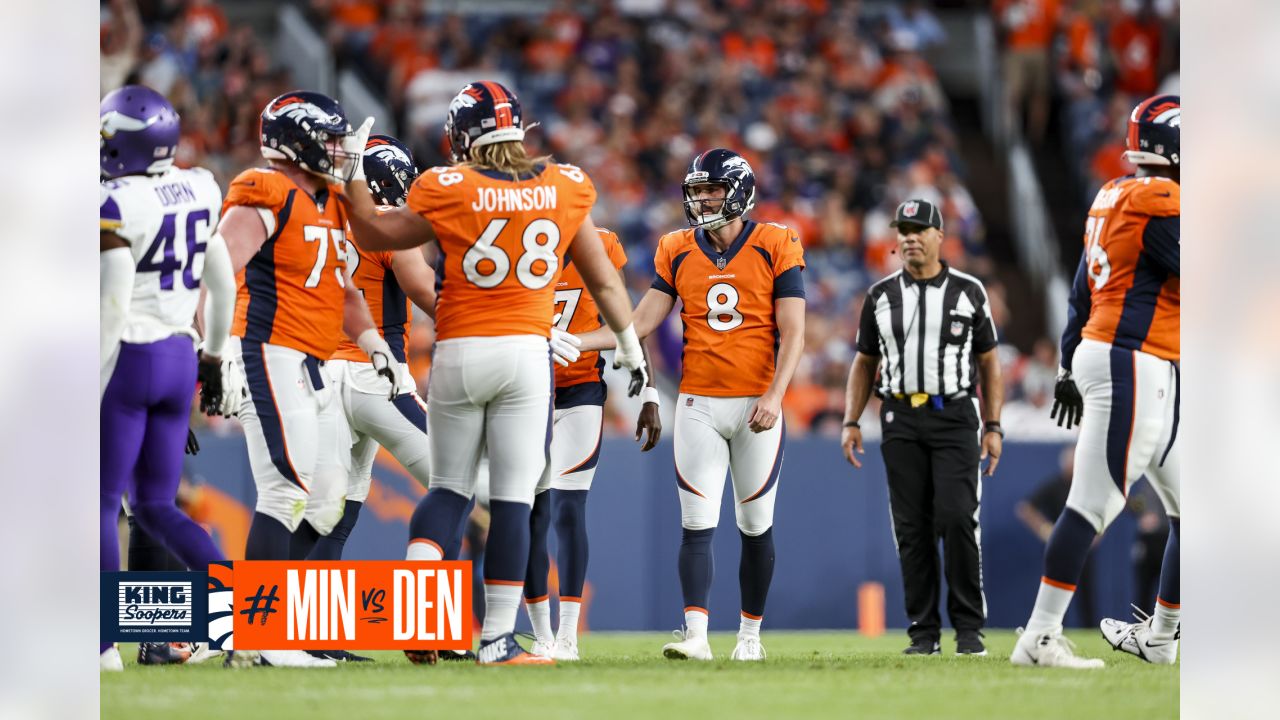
(927, 333)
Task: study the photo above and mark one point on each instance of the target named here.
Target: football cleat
(504, 650)
(458, 655)
(163, 653)
(545, 649)
(1049, 649)
(687, 647)
(1136, 638)
(969, 642)
(923, 646)
(200, 651)
(566, 650)
(748, 649)
(339, 655)
(110, 661)
(293, 659)
(422, 657)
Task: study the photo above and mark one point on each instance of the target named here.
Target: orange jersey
(1128, 282)
(291, 292)
(502, 244)
(730, 335)
(579, 314)
(389, 306)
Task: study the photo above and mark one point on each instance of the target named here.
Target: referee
(928, 330)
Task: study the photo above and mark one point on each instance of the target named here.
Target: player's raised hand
(1068, 405)
(209, 374)
(649, 422)
(851, 443)
(765, 413)
(353, 145)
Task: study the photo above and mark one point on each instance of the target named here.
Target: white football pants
(575, 448)
(375, 420)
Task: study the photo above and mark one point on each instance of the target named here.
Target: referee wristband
(650, 395)
(853, 424)
(992, 427)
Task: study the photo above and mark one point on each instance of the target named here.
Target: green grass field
(623, 675)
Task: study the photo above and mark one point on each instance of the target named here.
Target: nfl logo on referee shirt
(957, 327)
(154, 607)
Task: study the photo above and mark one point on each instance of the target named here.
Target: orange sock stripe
(749, 616)
(425, 541)
(569, 598)
(695, 608)
(515, 583)
(535, 601)
(1060, 585)
(1171, 606)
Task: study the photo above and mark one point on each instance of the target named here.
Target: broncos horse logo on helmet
(482, 113)
(1155, 127)
(390, 169)
(139, 132)
(719, 167)
(306, 128)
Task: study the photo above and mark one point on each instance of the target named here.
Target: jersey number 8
(487, 265)
(722, 307)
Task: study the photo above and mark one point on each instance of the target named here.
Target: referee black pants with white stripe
(932, 461)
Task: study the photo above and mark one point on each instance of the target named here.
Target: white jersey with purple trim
(167, 220)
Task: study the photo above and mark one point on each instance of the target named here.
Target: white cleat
(1049, 649)
(1137, 638)
(566, 650)
(200, 651)
(294, 659)
(543, 649)
(687, 647)
(110, 661)
(748, 649)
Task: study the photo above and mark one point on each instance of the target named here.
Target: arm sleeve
(220, 305)
(984, 327)
(1161, 241)
(868, 342)
(1078, 305)
(790, 283)
(115, 281)
(662, 276)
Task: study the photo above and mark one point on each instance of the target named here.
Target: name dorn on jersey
(167, 220)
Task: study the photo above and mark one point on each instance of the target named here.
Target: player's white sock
(1051, 606)
(540, 618)
(423, 549)
(569, 612)
(1165, 621)
(501, 603)
(695, 621)
(749, 627)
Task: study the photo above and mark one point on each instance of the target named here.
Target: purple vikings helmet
(139, 132)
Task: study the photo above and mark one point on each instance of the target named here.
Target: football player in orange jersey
(503, 222)
(389, 281)
(575, 450)
(1120, 382)
(743, 310)
(287, 236)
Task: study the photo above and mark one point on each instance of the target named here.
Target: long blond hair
(508, 157)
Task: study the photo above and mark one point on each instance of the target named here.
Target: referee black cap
(917, 212)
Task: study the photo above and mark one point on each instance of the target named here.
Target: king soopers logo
(151, 604)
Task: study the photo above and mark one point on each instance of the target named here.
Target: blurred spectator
(1040, 511)
(1027, 28)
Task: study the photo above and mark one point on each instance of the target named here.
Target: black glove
(639, 379)
(1068, 406)
(193, 445)
(209, 374)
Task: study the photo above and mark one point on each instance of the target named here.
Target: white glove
(233, 388)
(353, 146)
(384, 363)
(564, 346)
(629, 356)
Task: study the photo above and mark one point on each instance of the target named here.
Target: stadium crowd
(836, 107)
